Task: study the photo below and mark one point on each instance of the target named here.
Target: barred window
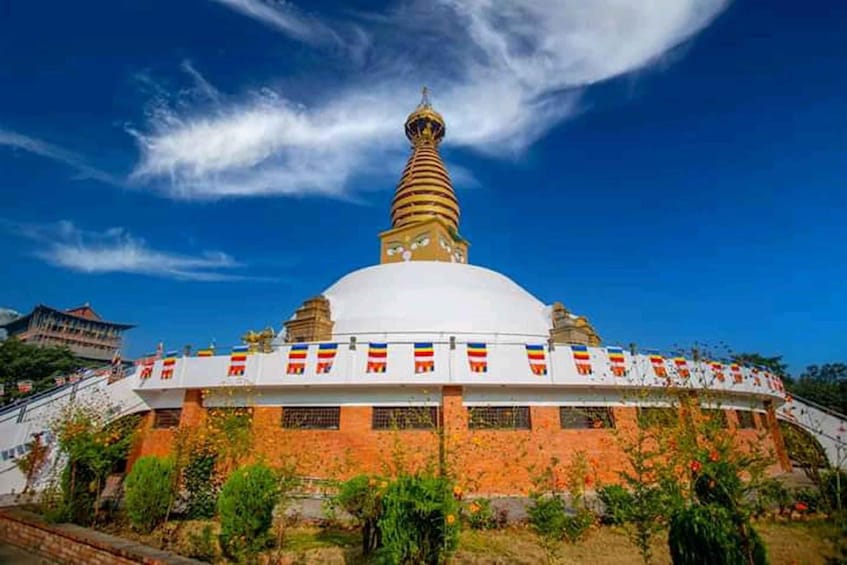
(166, 417)
(745, 420)
(311, 417)
(763, 420)
(405, 417)
(649, 416)
(586, 417)
(499, 417)
(718, 414)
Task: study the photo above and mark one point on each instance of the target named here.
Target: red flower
(714, 455)
(800, 506)
(695, 466)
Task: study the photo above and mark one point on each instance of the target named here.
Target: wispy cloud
(502, 73)
(287, 18)
(115, 250)
(54, 152)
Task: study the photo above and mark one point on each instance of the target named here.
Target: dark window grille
(718, 414)
(746, 420)
(166, 417)
(405, 417)
(499, 418)
(311, 417)
(649, 416)
(763, 420)
(586, 417)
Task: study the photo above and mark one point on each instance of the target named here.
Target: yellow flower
(473, 508)
(457, 491)
(450, 518)
(383, 484)
(371, 482)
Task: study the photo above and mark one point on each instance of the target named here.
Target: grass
(794, 543)
(788, 543)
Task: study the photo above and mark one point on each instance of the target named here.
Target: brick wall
(489, 462)
(72, 545)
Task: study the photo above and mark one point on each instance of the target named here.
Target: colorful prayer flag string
(377, 358)
(478, 357)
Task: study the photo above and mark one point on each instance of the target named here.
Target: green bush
(361, 497)
(617, 504)
(479, 515)
(771, 495)
(706, 535)
(149, 492)
(420, 520)
(810, 499)
(245, 508)
(834, 489)
(202, 546)
(547, 516)
(553, 521)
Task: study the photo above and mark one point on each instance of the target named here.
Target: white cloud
(285, 17)
(49, 151)
(116, 251)
(502, 73)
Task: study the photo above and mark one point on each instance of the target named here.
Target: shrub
(245, 508)
(834, 489)
(479, 515)
(577, 524)
(547, 516)
(807, 500)
(771, 495)
(706, 535)
(202, 546)
(420, 521)
(617, 504)
(361, 497)
(149, 492)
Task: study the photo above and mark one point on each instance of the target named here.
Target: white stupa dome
(434, 300)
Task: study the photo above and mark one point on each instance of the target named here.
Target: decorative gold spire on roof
(425, 189)
(425, 211)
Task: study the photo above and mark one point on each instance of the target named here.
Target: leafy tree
(825, 384)
(22, 361)
(773, 364)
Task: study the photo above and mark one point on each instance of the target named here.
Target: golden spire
(425, 190)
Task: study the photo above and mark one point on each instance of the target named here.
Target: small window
(763, 420)
(405, 417)
(718, 414)
(499, 418)
(660, 417)
(745, 420)
(586, 417)
(311, 417)
(166, 417)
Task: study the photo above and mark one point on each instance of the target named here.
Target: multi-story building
(81, 329)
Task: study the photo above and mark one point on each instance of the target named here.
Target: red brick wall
(484, 461)
(72, 545)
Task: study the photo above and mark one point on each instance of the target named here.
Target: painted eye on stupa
(393, 250)
(421, 241)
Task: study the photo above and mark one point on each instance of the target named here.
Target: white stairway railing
(827, 426)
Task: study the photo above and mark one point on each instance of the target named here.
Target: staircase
(827, 426)
(20, 421)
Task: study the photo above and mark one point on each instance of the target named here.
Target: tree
(825, 384)
(22, 361)
(773, 364)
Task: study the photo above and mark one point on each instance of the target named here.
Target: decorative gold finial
(425, 125)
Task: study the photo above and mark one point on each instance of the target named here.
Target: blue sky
(675, 170)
